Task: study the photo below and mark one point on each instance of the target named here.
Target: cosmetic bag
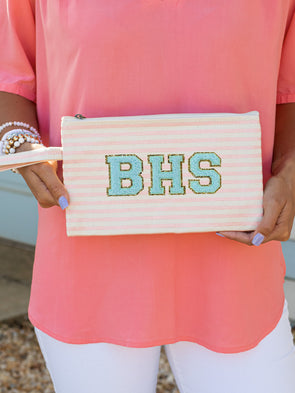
(172, 173)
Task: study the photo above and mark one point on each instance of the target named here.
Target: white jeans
(110, 368)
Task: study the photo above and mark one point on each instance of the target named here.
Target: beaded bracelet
(3, 141)
(15, 138)
(18, 124)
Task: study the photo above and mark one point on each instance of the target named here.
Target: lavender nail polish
(219, 234)
(258, 239)
(63, 202)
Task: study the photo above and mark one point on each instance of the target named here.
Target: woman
(103, 306)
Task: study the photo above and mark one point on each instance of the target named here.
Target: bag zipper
(251, 113)
(79, 116)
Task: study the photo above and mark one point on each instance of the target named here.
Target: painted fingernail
(63, 202)
(219, 234)
(258, 239)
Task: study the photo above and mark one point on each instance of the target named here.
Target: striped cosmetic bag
(171, 173)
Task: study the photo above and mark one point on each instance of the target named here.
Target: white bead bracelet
(18, 124)
(15, 138)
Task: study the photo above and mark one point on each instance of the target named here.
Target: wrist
(282, 163)
(285, 169)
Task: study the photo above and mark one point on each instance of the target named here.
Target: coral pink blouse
(112, 58)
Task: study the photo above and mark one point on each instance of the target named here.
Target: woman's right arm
(41, 178)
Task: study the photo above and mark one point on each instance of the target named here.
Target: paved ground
(16, 262)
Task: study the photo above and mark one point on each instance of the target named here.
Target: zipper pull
(79, 116)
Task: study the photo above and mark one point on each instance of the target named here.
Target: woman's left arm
(279, 191)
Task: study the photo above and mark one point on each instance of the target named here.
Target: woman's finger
(56, 188)
(37, 187)
(45, 184)
(276, 214)
(271, 213)
(283, 227)
(239, 236)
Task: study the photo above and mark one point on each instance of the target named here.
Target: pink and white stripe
(237, 205)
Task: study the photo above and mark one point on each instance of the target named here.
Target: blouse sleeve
(286, 80)
(17, 60)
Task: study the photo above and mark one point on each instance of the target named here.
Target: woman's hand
(278, 210)
(41, 178)
(43, 181)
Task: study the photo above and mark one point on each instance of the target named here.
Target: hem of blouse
(154, 343)
(285, 98)
(19, 89)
